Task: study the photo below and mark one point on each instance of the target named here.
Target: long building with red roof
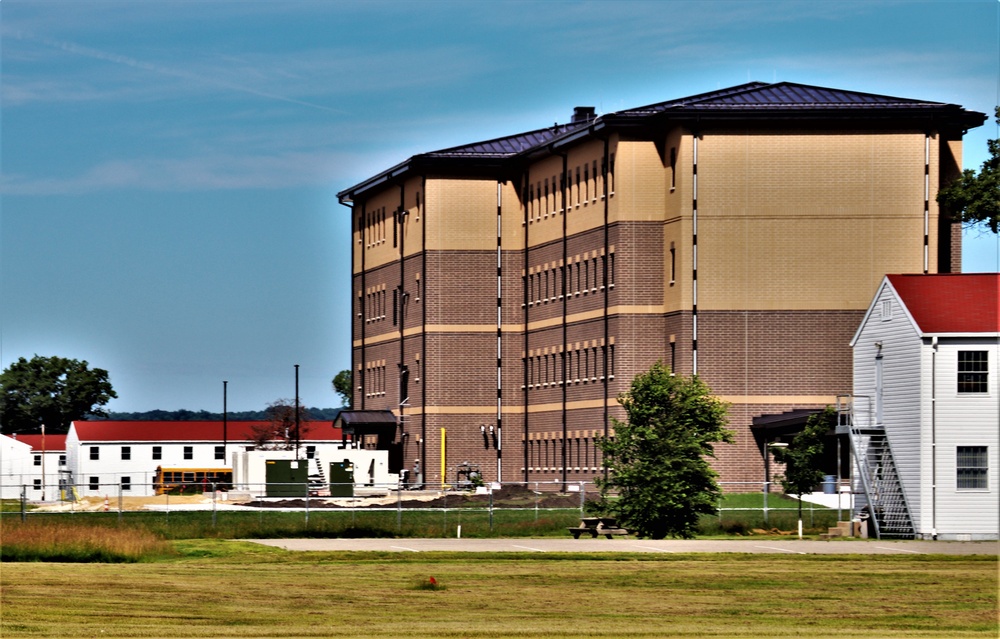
(105, 457)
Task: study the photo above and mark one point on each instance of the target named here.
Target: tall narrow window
(189, 452)
(673, 168)
(972, 466)
(157, 452)
(220, 452)
(673, 264)
(395, 306)
(973, 367)
(594, 167)
(95, 453)
(126, 453)
(37, 460)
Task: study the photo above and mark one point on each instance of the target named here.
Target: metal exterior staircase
(881, 497)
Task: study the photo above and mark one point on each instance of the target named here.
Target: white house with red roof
(33, 462)
(104, 457)
(925, 382)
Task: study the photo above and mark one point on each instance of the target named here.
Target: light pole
(43, 462)
(225, 420)
(296, 411)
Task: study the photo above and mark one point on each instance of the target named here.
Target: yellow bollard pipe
(443, 454)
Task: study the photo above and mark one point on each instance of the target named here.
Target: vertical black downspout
(423, 329)
(565, 312)
(363, 304)
(401, 314)
(498, 442)
(607, 290)
(694, 256)
(524, 304)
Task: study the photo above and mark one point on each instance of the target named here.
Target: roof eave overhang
(457, 166)
(967, 335)
(948, 118)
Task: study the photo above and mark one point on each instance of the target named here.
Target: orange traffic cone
(106, 503)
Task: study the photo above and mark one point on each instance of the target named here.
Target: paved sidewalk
(777, 546)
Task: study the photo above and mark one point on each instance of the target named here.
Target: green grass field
(214, 588)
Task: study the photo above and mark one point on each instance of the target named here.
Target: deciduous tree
(657, 459)
(52, 391)
(803, 455)
(279, 431)
(342, 383)
(975, 198)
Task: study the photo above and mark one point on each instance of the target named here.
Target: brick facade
(523, 292)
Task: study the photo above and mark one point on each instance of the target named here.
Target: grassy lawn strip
(215, 588)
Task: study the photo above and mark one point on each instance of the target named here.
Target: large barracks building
(505, 292)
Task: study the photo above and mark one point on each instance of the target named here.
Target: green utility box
(342, 479)
(286, 477)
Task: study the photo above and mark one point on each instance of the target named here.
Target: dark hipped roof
(759, 101)
(351, 417)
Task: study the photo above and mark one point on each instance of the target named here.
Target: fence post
(24, 502)
(213, 505)
(399, 509)
(583, 496)
(537, 497)
(767, 489)
(307, 504)
(120, 498)
(491, 509)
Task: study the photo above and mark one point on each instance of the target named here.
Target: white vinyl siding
(901, 406)
(964, 420)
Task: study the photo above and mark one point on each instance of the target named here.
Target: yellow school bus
(191, 480)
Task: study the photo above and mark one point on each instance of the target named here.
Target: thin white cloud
(219, 172)
(216, 81)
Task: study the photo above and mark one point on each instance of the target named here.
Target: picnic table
(594, 526)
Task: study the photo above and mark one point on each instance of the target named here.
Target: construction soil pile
(506, 497)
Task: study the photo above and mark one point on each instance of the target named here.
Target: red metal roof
(189, 431)
(52, 442)
(951, 302)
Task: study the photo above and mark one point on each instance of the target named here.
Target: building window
(972, 369)
(157, 452)
(62, 460)
(94, 484)
(95, 453)
(37, 460)
(310, 452)
(220, 452)
(38, 484)
(126, 453)
(971, 466)
(189, 452)
(126, 483)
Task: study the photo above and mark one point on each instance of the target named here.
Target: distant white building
(34, 463)
(925, 383)
(104, 457)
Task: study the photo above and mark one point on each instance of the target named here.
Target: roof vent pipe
(583, 114)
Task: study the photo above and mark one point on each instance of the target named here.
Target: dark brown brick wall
(776, 352)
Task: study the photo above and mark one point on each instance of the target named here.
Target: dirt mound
(506, 497)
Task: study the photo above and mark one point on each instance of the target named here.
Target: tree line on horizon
(184, 415)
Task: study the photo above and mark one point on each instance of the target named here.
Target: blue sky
(169, 169)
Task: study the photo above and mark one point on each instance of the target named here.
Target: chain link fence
(744, 506)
